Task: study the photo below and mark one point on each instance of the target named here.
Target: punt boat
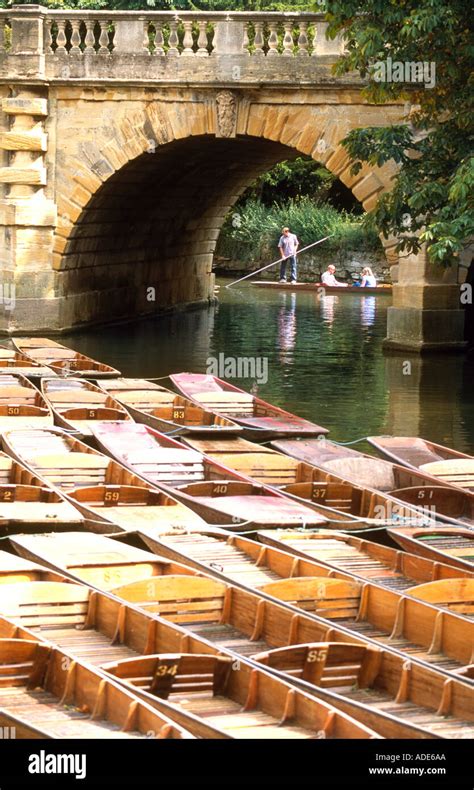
(357, 506)
(108, 495)
(216, 697)
(76, 404)
(444, 544)
(457, 595)
(22, 404)
(448, 466)
(13, 361)
(216, 493)
(375, 683)
(259, 420)
(28, 503)
(91, 559)
(44, 693)
(164, 410)
(398, 621)
(14, 569)
(364, 559)
(61, 359)
(221, 618)
(451, 504)
(378, 290)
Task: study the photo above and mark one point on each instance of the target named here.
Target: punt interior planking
(364, 559)
(10, 358)
(457, 595)
(454, 545)
(217, 697)
(396, 620)
(22, 404)
(28, 503)
(448, 466)
(164, 410)
(93, 559)
(217, 494)
(108, 495)
(42, 699)
(226, 617)
(14, 569)
(259, 420)
(76, 404)
(450, 503)
(111, 632)
(61, 359)
(353, 506)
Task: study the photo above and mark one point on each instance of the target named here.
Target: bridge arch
(141, 204)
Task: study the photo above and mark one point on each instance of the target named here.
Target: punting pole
(252, 274)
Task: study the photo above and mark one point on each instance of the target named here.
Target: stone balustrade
(277, 44)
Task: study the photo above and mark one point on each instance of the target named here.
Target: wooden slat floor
(42, 709)
(87, 645)
(447, 726)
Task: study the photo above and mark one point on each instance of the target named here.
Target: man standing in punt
(288, 246)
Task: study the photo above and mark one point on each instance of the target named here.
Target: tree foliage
(432, 196)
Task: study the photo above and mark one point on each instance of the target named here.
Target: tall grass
(252, 231)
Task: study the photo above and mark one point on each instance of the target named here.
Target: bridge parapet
(166, 46)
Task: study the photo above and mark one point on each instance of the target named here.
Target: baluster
(288, 39)
(188, 38)
(89, 39)
(173, 39)
(273, 39)
(75, 35)
(303, 42)
(159, 39)
(103, 39)
(146, 37)
(202, 40)
(61, 36)
(48, 36)
(246, 42)
(258, 41)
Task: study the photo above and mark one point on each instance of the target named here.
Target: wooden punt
(215, 493)
(217, 618)
(164, 410)
(14, 569)
(346, 504)
(444, 544)
(108, 495)
(27, 503)
(385, 616)
(44, 693)
(61, 359)
(258, 419)
(76, 404)
(450, 503)
(448, 466)
(456, 595)
(10, 358)
(364, 559)
(394, 696)
(216, 697)
(378, 290)
(22, 404)
(94, 559)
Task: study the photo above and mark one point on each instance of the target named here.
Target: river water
(319, 357)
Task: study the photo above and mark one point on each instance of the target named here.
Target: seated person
(368, 279)
(328, 277)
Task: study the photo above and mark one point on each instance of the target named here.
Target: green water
(324, 361)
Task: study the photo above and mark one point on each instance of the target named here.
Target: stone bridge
(126, 137)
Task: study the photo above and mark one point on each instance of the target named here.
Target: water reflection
(325, 361)
(287, 328)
